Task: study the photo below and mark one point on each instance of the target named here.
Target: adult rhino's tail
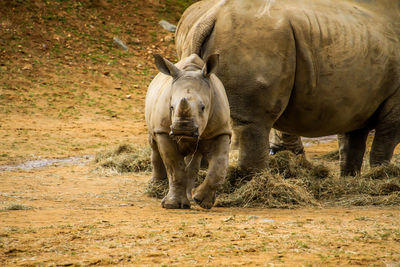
(195, 26)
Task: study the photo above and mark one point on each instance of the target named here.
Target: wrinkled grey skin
(187, 114)
(307, 67)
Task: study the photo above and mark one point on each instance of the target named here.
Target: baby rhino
(187, 114)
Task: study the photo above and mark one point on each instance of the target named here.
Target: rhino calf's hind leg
(216, 152)
(351, 151)
(175, 166)
(159, 173)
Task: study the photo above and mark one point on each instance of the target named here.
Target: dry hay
(157, 189)
(268, 190)
(377, 186)
(290, 181)
(383, 172)
(125, 158)
(289, 165)
(278, 187)
(331, 156)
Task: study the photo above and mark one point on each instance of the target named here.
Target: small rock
(120, 43)
(168, 26)
(128, 96)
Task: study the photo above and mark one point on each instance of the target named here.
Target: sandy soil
(66, 90)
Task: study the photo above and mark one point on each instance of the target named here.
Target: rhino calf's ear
(211, 65)
(166, 67)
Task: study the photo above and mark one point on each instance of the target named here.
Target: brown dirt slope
(65, 87)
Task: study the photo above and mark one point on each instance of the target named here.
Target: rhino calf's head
(191, 97)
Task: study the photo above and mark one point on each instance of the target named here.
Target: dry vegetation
(291, 181)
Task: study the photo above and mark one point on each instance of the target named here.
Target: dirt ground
(67, 90)
(76, 216)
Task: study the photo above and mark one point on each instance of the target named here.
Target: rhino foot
(204, 198)
(173, 202)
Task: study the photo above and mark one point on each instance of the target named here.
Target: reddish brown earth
(66, 90)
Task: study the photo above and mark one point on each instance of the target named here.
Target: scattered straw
(290, 165)
(268, 190)
(289, 182)
(383, 172)
(333, 155)
(125, 158)
(157, 189)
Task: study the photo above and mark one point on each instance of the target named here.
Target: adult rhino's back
(335, 61)
(347, 65)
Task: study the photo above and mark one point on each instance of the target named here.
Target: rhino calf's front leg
(216, 152)
(175, 166)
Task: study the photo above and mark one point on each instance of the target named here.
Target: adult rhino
(308, 67)
(187, 114)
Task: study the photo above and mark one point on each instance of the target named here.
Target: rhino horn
(184, 108)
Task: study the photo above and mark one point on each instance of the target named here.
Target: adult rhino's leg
(351, 151)
(253, 146)
(192, 171)
(217, 153)
(387, 132)
(175, 166)
(286, 141)
(159, 172)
